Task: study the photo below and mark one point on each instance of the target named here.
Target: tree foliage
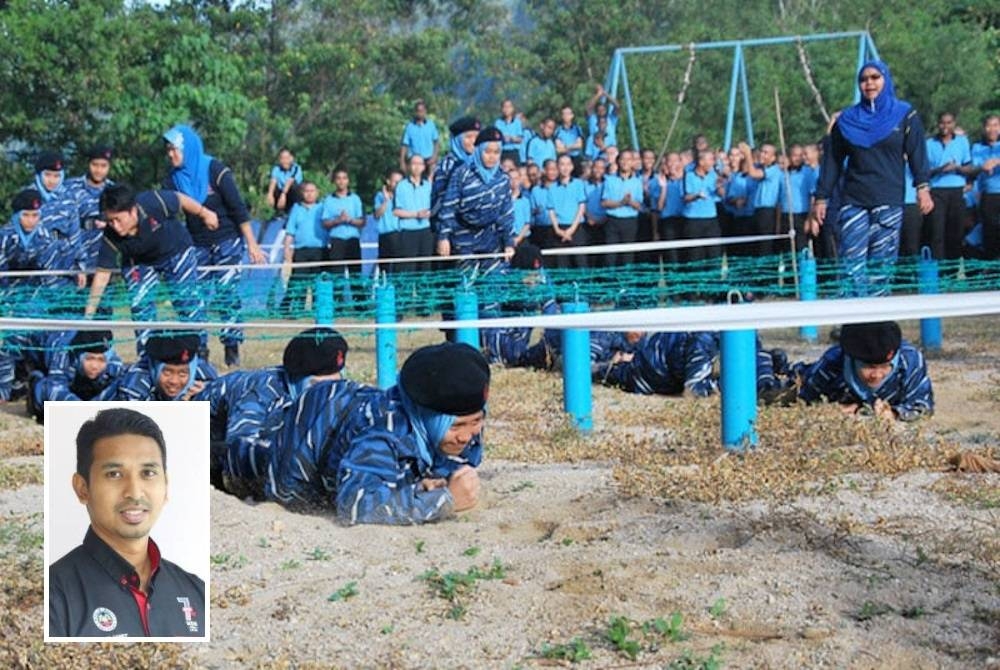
(336, 79)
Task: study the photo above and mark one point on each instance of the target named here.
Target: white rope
(752, 316)
(588, 250)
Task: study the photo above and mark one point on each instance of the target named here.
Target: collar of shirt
(117, 567)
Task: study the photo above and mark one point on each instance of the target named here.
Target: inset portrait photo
(127, 520)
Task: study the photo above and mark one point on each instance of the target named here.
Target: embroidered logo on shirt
(190, 615)
(105, 619)
(154, 225)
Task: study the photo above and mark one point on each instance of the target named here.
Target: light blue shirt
(615, 189)
(803, 185)
(989, 182)
(541, 150)
(593, 191)
(768, 188)
(522, 213)
(282, 176)
(388, 222)
(420, 138)
(611, 132)
(565, 199)
(305, 226)
(939, 154)
(333, 206)
(540, 206)
(413, 198)
(568, 136)
(704, 206)
(510, 129)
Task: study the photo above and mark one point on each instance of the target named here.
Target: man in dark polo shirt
(116, 583)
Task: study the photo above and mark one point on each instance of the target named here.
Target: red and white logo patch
(105, 619)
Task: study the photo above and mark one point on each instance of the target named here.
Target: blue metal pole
(862, 57)
(930, 328)
(807, 290)
(611, 83)
(739, 389)
(323, 299)
(733, 86)
(631, 111)
(729, 44)
(385, 338)
(576, 371)
(748, 117)
(872, 51)
(467, 309)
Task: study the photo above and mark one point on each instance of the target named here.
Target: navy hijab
(869, 122)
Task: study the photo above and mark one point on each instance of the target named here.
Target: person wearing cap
(26, 245)
(169, 369)
(145, 238)
(85, 190)
(871, 370)
(420, 138)
(85, 368)
(664, 364)
(402, 456)
(248, 407)
(212, 185)
(477, 214)
(58, 212)
(463, 143)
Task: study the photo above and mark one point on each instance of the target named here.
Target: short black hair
(111, 423)
(118, 198)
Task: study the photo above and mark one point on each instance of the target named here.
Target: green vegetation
(348, 590)
(456, 587)
(574, 651)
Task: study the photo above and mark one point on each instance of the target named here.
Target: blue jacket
(666, 364)
(66, 381)
(42, 250)
(907, 388)
(475, 216)
(138, 382)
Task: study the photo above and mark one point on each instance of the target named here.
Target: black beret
(49, 160)
(527, 257)
(91, 341)
(490, 134)
(450, 378)
(317, 351)
(29, 198)
(99, 151)
(871, 343)
(172, 348)
(464, 125)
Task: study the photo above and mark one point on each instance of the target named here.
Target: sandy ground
(866, 569)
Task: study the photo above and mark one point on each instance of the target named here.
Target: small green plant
(219, 559)
(718, 608)
(912, 612)
(455, 586)
(521, 486)
(869, 610)
(690, 661)
(566, 541)
(574, 651)
(672, 630)
(348, 590)
(318, 554)
(228, 560)
(263, 543)
(471, 551)
(387, 629)
(290, 564)
(619, 628)
(419, 545)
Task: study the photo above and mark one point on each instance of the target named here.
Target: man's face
(175, 155)
(796, 157)
(469, 141)
(633, 336)
(625, 162)
(598, 169)
(124, 223)
(648, 160)
(767, 155)
(30, 219)
(127, 487)
(871, 83)
(491, 155)
(873, 375)
(461, 433)
(706, 161)
(601, 110)
(341, 181)
(93, 365)
(812, 154)
(991, 128)
(533, 173)
(551, 171)
(51, 179)
(310, 194)
(548, 129)
(420, 112)
(946, 125)
(98, 169)
(173, 378)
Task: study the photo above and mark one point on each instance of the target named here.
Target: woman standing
(875, 137)
(412, 205)
(211, 184)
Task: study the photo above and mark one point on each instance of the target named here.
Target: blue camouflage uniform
(65, 379)
(907, 388)
(476, 216)
(139, 382)
(666, 364)
(86, 198)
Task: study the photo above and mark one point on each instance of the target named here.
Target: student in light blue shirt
(603, 107)
(796, 189)
(950, 160)
(542, 147)
(522, 205)
(389, 230)
(567, 211)
(541, 224)
(700, 220)
(622, 199)
(305, 242)
(343, 216)
(596, 216)
(986, 161)
(569, 138)
(286, 179)
(767, 175)
(420, 138)
(413, 207)
(668, 190)
(510, 125)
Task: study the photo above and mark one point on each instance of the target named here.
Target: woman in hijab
(211, 184)
(869, 145)
(477, 213)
